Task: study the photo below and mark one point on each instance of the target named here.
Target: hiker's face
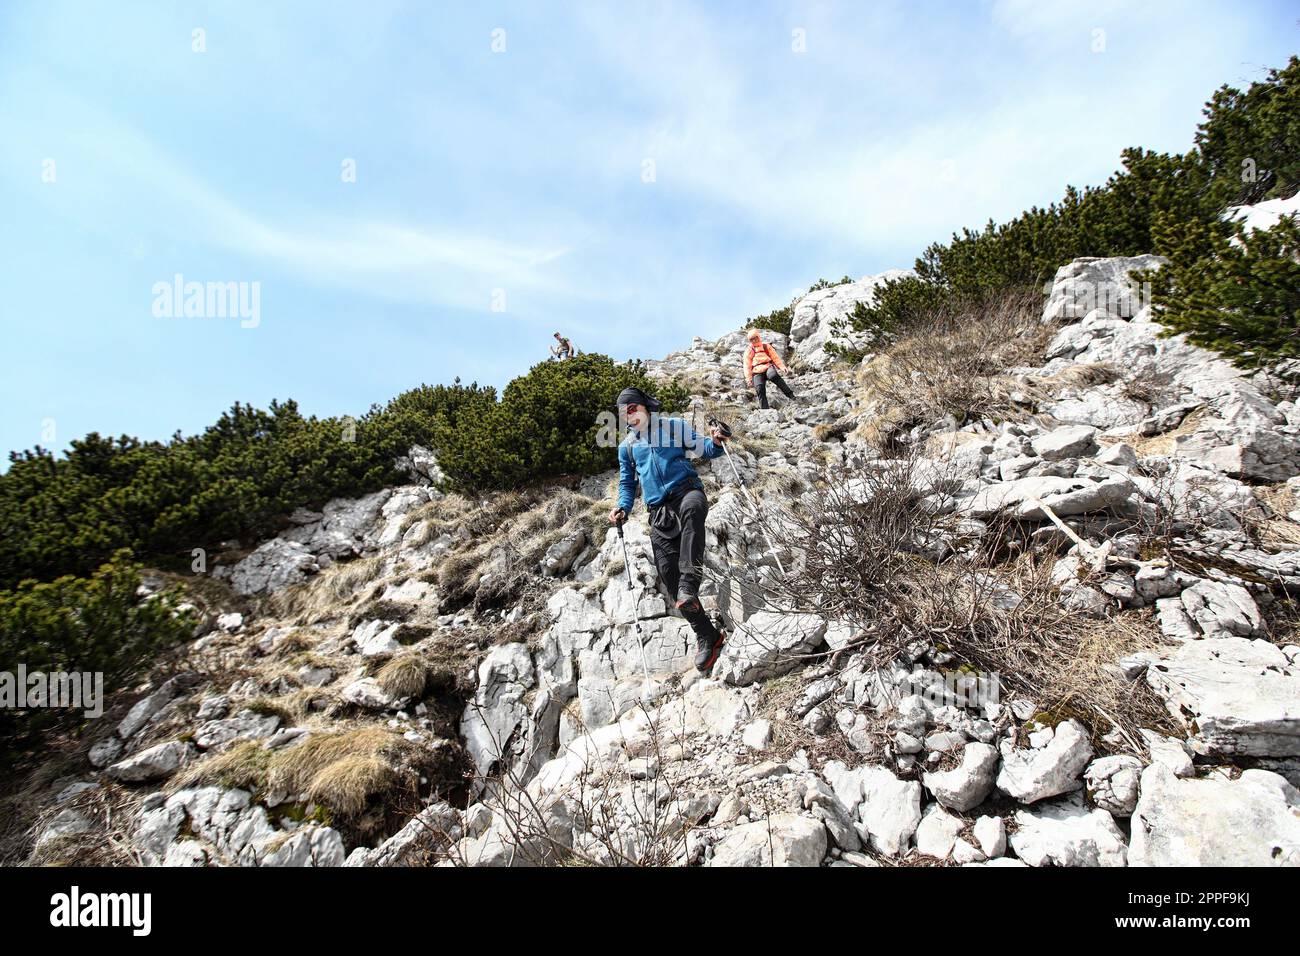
(637, 416)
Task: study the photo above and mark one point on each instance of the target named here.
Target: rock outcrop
(588, 736)
(819, 315)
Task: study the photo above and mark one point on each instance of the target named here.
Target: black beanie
(638, 397)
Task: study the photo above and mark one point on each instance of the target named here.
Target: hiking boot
(707, 654)
(689, 604)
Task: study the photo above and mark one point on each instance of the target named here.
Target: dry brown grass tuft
(321, 598)
(952, 362)
(111, 812)
(269, 707)
(1080, 375)
(710, 382)
(782, 484)
(1283, 618)
(243, 765)
(1074, 670)
(346, 785)
(870, 551)
(835, 431)
(33, 778)
(297, 704)
(613, 569)
(403, 676)
(1163, 444)
(1272, 527)
(731, 412)
(789, 735)
(342, 771)
(440, 517)
(501, 565)
(758, 447)
(351, 577)
(292, 644)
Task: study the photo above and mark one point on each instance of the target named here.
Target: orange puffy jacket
(758, 358)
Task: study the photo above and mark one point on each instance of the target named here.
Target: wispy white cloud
(1069, 20)
(725, 129)
(387, 259)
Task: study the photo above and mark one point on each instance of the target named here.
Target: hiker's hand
(749, 382)
(718, 435)
(617, 516)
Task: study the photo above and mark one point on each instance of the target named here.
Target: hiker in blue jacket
(654, 454)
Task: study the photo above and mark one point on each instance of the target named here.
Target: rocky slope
(365, 664)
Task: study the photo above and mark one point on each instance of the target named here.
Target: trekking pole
(762, 525)
(636, 614)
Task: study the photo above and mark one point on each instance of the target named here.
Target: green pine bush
(235, 480)
(1231, 289)
(240, 477)
(778, 320)
(545, 425)
(85, 624)
(1249, 140)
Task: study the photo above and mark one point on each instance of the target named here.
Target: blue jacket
(660, 465)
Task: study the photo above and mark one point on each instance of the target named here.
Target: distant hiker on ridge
(763, 365)
(562, 349)
(654, 452)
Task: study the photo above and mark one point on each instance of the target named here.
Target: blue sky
(519, 178)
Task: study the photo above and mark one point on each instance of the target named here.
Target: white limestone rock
(1220, 609)
(570, 612)
(767, 645)
(758, 734)
(497, 712)
(1120, 455)
(367, 693)
(275, 564)
(1037, 774)
(937, 832)
(105, 752)
(1106, 407)
(1169, 752)
(1070, 441)
(888, 810)
(309, 846)
(817, 314)
(991, 834)
(155, 763)
(1088, 284)
(1251, 821)
(1068, 833)
(560, 556)
(376, 638)
(65, 824)
(1236, 695)
(966, 786)
(148, 707)
(783, 839)
(434, 824)
(1112, 783)
(216, 735)
(1065, 496)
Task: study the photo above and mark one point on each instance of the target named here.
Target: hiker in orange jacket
(763, 365)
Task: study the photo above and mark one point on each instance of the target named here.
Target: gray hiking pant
(677, 538)
(770, 374)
